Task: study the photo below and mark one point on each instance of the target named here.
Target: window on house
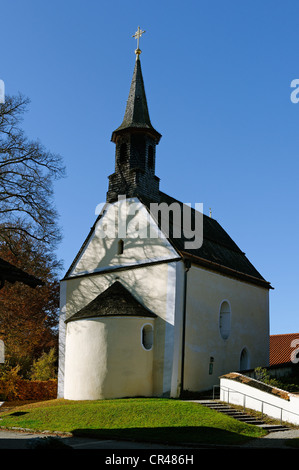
(225, 319)
(150, 157)
(244, 359)
(123, 153)
(147, 336)
(120, 247)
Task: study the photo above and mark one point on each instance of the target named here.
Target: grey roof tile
(114, 301)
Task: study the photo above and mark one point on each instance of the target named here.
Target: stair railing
(263, 402)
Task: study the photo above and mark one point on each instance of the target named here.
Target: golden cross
(137, 36)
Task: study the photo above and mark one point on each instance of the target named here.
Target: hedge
(19, 389)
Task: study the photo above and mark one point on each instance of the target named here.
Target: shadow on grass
(19, 413)
(168, 435)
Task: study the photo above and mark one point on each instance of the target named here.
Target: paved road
(27, 440)
(16, 440)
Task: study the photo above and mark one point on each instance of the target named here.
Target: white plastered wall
(62, 337)
(155, 287)
(130, 221)
(99, 265)
(249, 329)
(105, 359)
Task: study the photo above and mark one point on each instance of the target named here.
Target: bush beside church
(12, 389)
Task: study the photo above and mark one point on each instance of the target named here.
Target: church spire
(136, 141)
(136, 113)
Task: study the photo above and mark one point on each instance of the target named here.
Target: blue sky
(217, 77)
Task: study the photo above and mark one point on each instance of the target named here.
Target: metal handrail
(255, 398)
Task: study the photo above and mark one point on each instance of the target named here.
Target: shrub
(19, 389)
(290, 384)
(263, 376)
(8, 382)
(44, 368)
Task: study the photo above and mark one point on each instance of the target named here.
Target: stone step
(247, 420)
(274, 427)
(240, 415)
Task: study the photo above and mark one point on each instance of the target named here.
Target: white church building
(159, 300)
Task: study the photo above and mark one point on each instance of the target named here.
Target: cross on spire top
(137, 36)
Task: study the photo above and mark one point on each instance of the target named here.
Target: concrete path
(274, 440)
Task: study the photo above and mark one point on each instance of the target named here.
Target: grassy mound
(141, 419)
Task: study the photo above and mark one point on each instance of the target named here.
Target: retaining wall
(240, 390)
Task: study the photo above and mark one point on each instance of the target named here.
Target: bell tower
(135, 140)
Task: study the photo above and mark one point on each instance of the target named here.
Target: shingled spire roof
(136, 114)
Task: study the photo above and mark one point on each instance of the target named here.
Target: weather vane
(137, 36)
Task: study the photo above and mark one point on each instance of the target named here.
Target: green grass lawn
(141, 419)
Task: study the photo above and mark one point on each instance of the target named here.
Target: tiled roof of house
(281, 347)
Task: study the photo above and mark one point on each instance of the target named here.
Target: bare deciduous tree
(27, 174)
